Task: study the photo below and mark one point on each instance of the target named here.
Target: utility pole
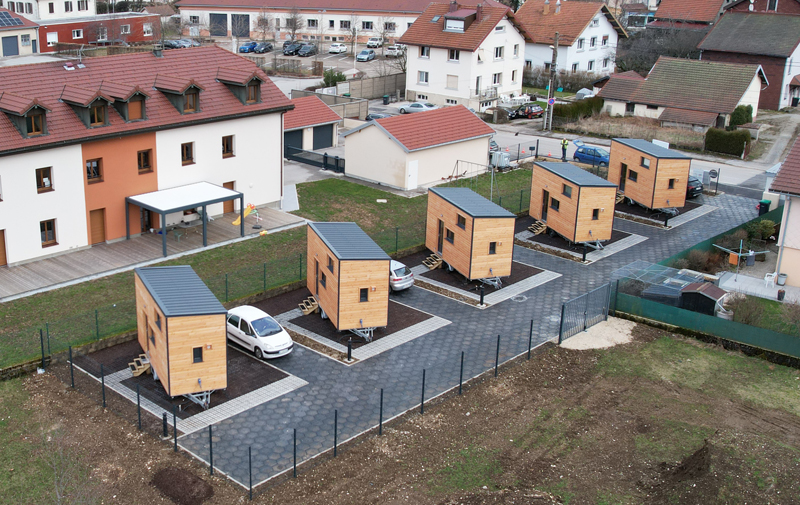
(548, 119)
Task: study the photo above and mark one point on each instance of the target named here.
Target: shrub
(538, 77)
(680, 264)
(741, 115)
(698, 260)
(790, 314)
(332, 76)
(579, 109)
(721, 141)
(733, 240)
(746, 309)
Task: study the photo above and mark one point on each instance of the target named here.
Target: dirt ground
(660, 420)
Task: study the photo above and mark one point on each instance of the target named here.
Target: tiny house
(652, 176)
(572, 202)
(181, 328)
(470, 233)
(348, 274)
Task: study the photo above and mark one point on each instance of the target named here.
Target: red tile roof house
(420, 149)
(686, 93)
(770, 40)
(697, 15)
(787, 183)
(463, 55)
(310, 125)
(587, 35)
(779, 6)
(322, 19)
(19, 36)
(77, 139)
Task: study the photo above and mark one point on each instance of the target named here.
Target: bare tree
(264, 24)
(352, 32)
(70, 485)
(640, 52)
(295, 22)
(400, 63)
(385, 29)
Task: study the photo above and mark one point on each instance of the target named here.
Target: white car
(394, 51)
(400, 276)
(257, 331)
(375, 42)
(416, 107)
(337, 48)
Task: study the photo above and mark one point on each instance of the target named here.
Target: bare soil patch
(558, 241)
(519, 272)
(182, 486)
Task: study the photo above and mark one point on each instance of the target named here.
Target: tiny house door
(440, 240)
(623, 174)
(545, 201)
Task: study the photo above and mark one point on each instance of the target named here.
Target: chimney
(546, 7)
(558, 6)
(157, 48)
(453, 6)
(479, 12)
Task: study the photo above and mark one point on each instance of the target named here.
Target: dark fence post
(97, 324)
(294, 450)
(482, 293)
(616, 297)
(584, 252)
(139, 407)
(608, 302)
(103, 383)
(71, 369)
(41, 342)
(530, 340)
(380, 416)
(422, 402)
(586, 311)
(349, 348)
(165, 430)
(175, 427)
(250, 469)
(561, 325)
(226, 287)
(497, 356)
(461, 374)
(210, 452)
(335, 431)
(265, 276)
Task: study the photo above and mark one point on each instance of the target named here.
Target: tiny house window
(322, 279)
(671, 184)
(554, 204)
(645, 162)
(330, 264)
(363, 295)
(462, 222)
(632, 175)
(566, 191)
(197, 355)
(158, 320)
(492, 247)
(450, 236)
(595, 214)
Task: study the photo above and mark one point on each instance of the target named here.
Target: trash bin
(385, 99)
(751, 259)
(782, 279)
(763, 207)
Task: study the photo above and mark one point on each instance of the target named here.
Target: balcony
(485, 94)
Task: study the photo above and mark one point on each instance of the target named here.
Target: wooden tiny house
(652, 176)
(348, 274)
(572, 202)
(181, 327)
(470, 233)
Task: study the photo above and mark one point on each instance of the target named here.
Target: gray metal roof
(178, 291)
(576, 175)
(348, 242)
(471, 202)
(652, 149)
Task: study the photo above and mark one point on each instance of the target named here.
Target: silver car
(416, 107)
(400, 276)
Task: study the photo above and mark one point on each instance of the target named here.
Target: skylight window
(436, 19)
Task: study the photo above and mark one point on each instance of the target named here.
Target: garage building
(311, 125)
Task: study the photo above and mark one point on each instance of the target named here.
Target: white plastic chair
(769, 279)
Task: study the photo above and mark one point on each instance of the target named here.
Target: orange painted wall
(121, 178)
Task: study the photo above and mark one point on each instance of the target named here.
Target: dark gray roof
(348, 242)
(471, 202)
(754, 33)
(178, 291)
(652, 149)
(574, 174)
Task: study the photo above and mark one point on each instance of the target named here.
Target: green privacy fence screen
(736, 332)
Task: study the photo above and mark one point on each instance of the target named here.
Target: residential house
(166, 11)
(635, 16)
(695, 15)
(587, 35)
(687, 93)
(77, 138)
(787, 183)
(767, 39)
(420, 149)
(310, 125)
(779, 6)
(321, 19)
(19, 36)
(462, 55)
(103, 29)
(46, 10)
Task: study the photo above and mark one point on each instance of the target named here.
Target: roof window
(28, 116)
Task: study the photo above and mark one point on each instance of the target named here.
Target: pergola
(168, 201)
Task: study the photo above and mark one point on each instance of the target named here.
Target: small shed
(702, 297)
(310, 125)
(181, 328)
(348, 274)
(470, 233)
(574, 203)
(652, 176)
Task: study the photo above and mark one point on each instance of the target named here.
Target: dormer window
(190, 101)
(34, 123)
(183, 94)
(128, 99)
(454, 25)
(136, 109)
(90, 106)
(27, 115)
(246, 86)
(253, 92)
(97, 115)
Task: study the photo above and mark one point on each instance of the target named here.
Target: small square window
(44, 179)
(454, 55)
(574, 67)
(363, 295)
(227, 146)
(462, 222)
(645, 162)
(77, 34)
(94, 170)
(671, 184)
(498, 52)
(143, 161)
(554, 204)
(197, 355)
(566, 191)
(125, 29)
(423, 77)
(632, 176)
(330, 264)
(492, 247)
(595, 214)
(187, 153)
(48, 231)
(450, 236)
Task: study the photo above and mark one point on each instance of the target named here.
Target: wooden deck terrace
(100, 260)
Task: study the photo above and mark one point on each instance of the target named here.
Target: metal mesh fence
(584, 312)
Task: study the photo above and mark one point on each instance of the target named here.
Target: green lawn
(772, 319)
(511, 190)
(541, 91)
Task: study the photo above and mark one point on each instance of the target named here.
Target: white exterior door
(413, 174)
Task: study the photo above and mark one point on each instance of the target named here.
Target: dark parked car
(694, 187)
(529, 111)
(262, 47)
(292, 49)
(288, 43)
(248, 48)
(172, 44)
(189, 43)
(375, 115)
(307, 50)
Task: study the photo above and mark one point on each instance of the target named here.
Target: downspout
(783, 233)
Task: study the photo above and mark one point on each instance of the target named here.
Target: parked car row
(256, 47)
(180, 43)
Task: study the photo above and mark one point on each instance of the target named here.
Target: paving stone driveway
(355, 391)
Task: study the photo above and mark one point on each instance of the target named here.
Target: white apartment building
(45, 10)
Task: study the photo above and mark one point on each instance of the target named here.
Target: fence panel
(583, 312)
(323, 161)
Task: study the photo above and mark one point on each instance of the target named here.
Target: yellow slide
(247, 210)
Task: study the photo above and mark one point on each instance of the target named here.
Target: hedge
(741, 115)
(721, 141)
(579, 109)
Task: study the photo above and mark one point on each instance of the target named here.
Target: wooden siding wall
(651, 187)
(456, 254)
(563, 221)
(500, 230)
(328, 297)
(590, 198)
(356, 275)
(186, 333)
(146, 306)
